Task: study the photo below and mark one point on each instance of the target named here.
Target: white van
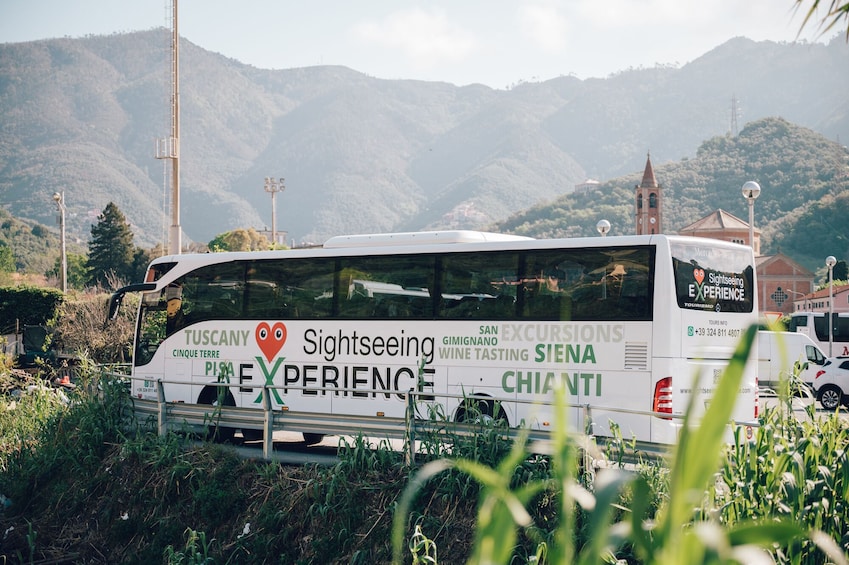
(780, 353)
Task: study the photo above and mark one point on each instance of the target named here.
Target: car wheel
(830, 397)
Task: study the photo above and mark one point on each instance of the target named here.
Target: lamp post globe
(603, 226)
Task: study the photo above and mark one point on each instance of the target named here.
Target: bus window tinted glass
(588, 284)
(296, 288)
(392, 286)
(478, 285)
(214, 292)
(711, 278)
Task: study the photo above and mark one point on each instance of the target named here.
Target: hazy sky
(494, 42)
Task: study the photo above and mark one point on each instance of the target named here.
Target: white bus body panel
(612, 366)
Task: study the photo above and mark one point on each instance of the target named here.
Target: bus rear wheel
(214, 432)
(480, 410)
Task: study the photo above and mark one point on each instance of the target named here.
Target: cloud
(544, 25)
(427, 38)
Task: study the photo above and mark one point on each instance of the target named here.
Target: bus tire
(216, 433)
(312, 439)
(478, 410)
(830, 396)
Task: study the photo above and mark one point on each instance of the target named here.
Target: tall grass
(696, 523)
(778, 498)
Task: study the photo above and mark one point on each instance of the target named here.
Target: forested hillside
(804, 182)
(361, 154)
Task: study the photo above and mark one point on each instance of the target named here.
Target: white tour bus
(634, 323)
(815, 326)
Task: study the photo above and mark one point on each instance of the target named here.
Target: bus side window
(549, 282)
(479, 286)
(175, 319)
(391, 286)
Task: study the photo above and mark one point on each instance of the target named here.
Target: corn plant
(683, 530)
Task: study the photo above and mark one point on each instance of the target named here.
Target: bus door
(154, 321)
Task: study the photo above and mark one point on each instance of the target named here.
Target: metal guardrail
(175, 416)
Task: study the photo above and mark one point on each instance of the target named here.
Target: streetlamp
(59, 198)
(802, 294)
(274, 186)
(603, 226)
(751, 191)
(830, 262)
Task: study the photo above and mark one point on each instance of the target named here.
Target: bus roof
(432, 241)
(417, 238)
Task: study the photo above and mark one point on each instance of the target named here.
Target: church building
(648, 203)
(781, 281)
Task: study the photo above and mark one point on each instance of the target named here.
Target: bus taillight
(662, 401)
(757, 399)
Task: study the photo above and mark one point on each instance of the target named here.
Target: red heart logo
(270, 339)
(699, 275)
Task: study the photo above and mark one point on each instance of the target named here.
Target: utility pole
(274, 186)
(169, 148)
(59, 198)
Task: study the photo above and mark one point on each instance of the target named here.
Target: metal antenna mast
(169, 148)
(734, 112)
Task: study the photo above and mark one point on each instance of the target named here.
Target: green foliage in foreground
(79, 486)
(706, 518)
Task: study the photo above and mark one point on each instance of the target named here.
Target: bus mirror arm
(118, 297)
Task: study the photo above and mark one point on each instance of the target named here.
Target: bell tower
(648, 203)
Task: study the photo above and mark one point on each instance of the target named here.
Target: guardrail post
(162, 406)
(268, 424)
(410, 425)
(588, 420)
(588, 437)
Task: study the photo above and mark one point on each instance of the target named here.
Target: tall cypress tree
(110, 251)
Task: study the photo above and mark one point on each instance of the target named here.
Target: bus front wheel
(253, 435)
(215, 397)
(312, 439)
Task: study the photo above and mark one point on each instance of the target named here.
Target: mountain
(361, 154)
(804, 180)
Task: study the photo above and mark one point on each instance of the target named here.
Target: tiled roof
(717, 220)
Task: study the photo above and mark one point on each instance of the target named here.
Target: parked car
(831, 383)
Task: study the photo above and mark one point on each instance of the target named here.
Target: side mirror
(118, 297)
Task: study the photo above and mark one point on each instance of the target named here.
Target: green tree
(7, 259)
(77, 270)
(141, 259)
(841, 271)
(239, 240)
(110, 252)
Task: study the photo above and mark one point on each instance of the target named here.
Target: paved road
(800, 405)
